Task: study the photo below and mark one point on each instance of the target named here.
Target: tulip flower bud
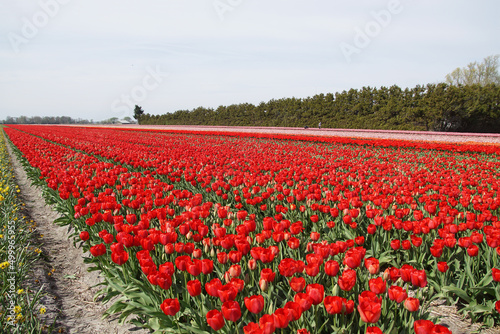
(227, 277)
(263, 285)
(189, 235)
(252, 264)
(235, 270)
(386, 275)
(212, 252)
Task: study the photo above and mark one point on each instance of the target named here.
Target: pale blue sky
(93, 59)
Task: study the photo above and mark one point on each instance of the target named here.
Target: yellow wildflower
(17, 309)
(4, 265)
(43, 310)
(20, 291)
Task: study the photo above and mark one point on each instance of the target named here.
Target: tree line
(44, 120)
(433, 107)
(61, 120)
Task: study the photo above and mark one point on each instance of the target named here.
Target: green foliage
(475, 73)
(138, 112)
(44, 120)
(434, 107)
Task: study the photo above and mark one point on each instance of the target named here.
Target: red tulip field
(266, 233)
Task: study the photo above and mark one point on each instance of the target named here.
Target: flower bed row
(201, 233)
(20, 302)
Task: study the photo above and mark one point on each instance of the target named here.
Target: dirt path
(70, 287)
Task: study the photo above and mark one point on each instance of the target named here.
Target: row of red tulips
(322, 237)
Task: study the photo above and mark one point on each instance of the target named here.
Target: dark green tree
(138, 112)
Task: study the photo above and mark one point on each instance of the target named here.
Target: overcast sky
(96, 59)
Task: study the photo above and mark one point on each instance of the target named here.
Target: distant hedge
(434, 107)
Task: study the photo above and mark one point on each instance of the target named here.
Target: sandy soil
(71, 288)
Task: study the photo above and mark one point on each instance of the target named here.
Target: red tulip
(405, 272)
(312, 269)
(377, 285)
(207, 266)
(297, 284)
(222, 257)
(267, 274)
(349, 306)
(442, 266)
(419, 278)
(213, 287)
(235, 270)
(373, 266)
(397, 294)
(254, 304)
(303, 300)
(98, 250)
(439, 329)
(411, 304)
(373, 330)
(465, 242)
(496, 274)
(353, 258)
(334, 304)
(227, 292)
(164, 281)
(436, 251)
(406, 244)
(252, 328)
(371, 229)
(347, 280)
(369, 307)
(215, 319)
(293, 243)
(281, 318)
(231, 310)
(472, 250)
(497, 306)
(316, 292)
(423, 326)
(266, 323)
(194, 267)
(395, 244)
(238, 283)
(84, 235)
(170, 306)
(331, 268)
(119, 257)
(194, 287)
(294, 310)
